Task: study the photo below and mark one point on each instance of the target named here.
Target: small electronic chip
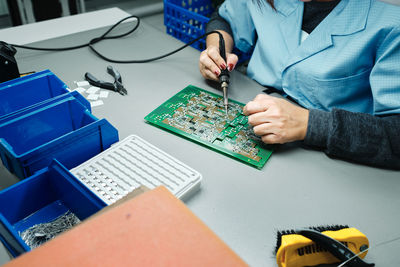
(199, 115)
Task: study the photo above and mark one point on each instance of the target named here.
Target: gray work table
(244, 206)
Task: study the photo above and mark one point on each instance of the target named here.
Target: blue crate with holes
(64, 130)
(187, 20)
(42, 198)
(23, 93)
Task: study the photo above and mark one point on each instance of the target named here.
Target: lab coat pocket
(351, 93)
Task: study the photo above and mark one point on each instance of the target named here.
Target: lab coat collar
(345, 20)
(286, 7)
(341, 21)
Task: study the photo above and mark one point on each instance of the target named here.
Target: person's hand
(276, 120)
(211, 63)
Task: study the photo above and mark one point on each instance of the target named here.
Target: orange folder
(152, 229)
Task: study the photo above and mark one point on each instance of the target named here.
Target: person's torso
(331, 67)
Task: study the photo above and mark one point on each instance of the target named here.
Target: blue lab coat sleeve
(218, 23)
(385, 75)
(237, 13)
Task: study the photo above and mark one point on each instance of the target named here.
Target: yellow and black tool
(321, 245)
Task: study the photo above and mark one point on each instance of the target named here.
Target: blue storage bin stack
(45, 129)
(48, 122)
(187, 20)
(43, 197)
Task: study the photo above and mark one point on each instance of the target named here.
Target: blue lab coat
(351, 60)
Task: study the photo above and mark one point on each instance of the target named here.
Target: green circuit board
(199, 116)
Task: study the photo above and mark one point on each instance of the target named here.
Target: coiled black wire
(105, 36)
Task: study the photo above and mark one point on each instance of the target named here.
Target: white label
(82, 83)
(93, 97)
(104, 94)
(96, 103)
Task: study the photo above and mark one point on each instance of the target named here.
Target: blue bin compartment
(64, 130)
(42, 198)
(26, 91)
(45, 103)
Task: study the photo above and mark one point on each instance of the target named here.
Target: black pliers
(117, 86)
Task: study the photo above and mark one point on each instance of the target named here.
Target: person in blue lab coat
(338, 59)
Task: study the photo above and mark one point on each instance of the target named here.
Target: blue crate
(187, 19)
(39, 199)
(64, 130)
(26, 91)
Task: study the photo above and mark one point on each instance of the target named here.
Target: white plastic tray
(132, 162)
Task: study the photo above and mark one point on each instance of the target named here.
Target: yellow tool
(321, 245)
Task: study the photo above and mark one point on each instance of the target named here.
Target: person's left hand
(276, 120)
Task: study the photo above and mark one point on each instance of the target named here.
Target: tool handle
(113, 72)
(222, 47)
(99, 83)
(224, 76)
(337, 249)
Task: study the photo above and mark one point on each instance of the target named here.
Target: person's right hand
(211, 63)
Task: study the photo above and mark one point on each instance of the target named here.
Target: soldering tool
(224, 76)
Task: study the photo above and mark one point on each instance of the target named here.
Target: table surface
(53, 28)
(244, 206)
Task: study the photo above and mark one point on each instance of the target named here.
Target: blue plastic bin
(64, 130)
(26, 91)
(187, 19)
(42, 198)
(47, 102)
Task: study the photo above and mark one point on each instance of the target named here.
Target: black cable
(92, 41)
(104, 36)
